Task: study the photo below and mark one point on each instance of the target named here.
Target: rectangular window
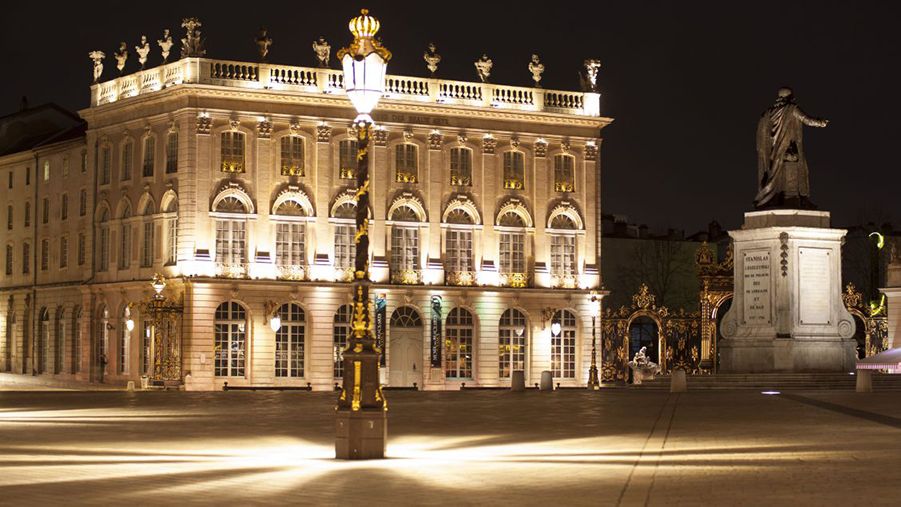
(512, 253)
(46, 170)
(105, 165)
(232, 152)
(344, 246)
(63, 252)
(461, 166)
(9, 259)
(147, 246)
(172, 241)
(289, 342)
(125, 246)
(146, 351)
(65, 167)
(81, 249)
(514, 172)
(347, 159)
(27, 176)
(404, 249)
(45, 210)
(172, 152)
(563, 255)
(149, 157)
(406, 164)
(84, 162)
(10, 184)
(26, 258)
(127, 160)
(292, 156)
(563, 347)
(104, 248)
(230, 245)
(64, 207)
(9, 218)
(45, 254)
(83, 203)
(459, 251)
(289, 244)
(564, 178)
(27, 214)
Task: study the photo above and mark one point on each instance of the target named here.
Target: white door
(405, 357)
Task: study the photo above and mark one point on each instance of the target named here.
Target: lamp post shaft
(593, 381)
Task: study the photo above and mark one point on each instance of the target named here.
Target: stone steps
(775, 381)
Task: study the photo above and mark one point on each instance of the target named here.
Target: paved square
(453, 448)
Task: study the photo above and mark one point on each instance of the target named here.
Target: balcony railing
(231, 270)
(516, 280)
(294, 272)
(460, 278)
(406, 276)
(307, 80)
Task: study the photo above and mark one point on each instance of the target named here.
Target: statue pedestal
(787, 313)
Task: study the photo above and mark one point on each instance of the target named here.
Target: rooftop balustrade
(310, 80)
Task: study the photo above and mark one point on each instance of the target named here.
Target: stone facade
(237, 191)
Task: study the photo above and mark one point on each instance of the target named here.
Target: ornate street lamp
(593, 381)
(362, 426)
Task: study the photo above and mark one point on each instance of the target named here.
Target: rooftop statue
(432, 58)
(263, 42)
(192, 44)
(589, 76)
(782, 173)
(121, 56)
(97, 57)
(483, 67)
(536, 68)
(143, 49)
(322, 49)
(165, 44)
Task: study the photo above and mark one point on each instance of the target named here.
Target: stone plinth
(787, 314)
(361, 434)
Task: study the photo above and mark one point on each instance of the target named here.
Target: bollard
(547, 381)
(130, 386)
(518, 381)
(865, 381)
(679, 382)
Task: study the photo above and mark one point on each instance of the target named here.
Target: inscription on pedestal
(814, 271)
(756, 273)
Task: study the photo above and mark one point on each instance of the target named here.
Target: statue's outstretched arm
(809, 120)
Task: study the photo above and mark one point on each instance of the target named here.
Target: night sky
(685, 81)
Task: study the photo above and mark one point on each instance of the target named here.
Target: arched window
(458, 258)
(564, 174)
(43, 342)
(59, 338)
(461, 166)
(458, 344)
(563, 345)
(124, 356)
(406, 317)
(128, 155)
(512, 245)
(292, 156)
(347, 159)
(290, 238)
(148, 246)
(345, 249)
(103, 341)
(230, 330)
(104, 241)
(289, 342)
(146, 347)
(406, 163)
(563, 248)
(514, 170)
(171, 218)
(149, 157)
(105, 165)
(232, 152)
(76, 340)
(512, 340)
(341, 332)
(231, 237)
(8, 350)
(125, 238)
(171, 152)
(405, 246)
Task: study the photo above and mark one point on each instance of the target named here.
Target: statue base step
(780, 355)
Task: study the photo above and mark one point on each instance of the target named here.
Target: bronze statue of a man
(781, 165)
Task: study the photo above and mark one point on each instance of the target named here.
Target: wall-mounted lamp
(555, 328)
(275, 321)
(129, 322)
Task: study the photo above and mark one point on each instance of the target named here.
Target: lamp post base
(593, 381)
(361, 434)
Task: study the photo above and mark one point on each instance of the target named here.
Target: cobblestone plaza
(569, 447)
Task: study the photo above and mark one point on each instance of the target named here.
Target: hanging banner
(381, 305)
(436, 341)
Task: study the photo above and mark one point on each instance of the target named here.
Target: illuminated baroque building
(234, 181)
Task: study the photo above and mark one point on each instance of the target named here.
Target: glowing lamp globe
(275, 323)
(555, 329)
(130, 324)
(365, 63)
(595, 307)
